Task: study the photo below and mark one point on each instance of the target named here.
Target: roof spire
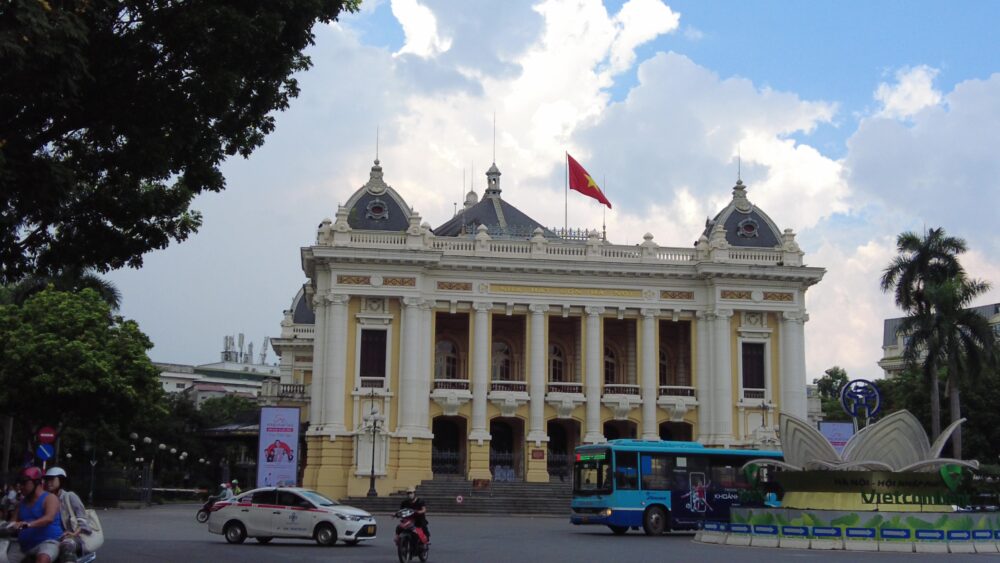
(376, 143)
(739, 164)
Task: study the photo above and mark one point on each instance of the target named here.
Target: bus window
(726, 473)
(657, 470)
(592, 473)
(626, 471)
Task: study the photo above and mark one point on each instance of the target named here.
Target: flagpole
(566, 199)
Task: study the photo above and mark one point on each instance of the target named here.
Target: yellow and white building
(490, 347)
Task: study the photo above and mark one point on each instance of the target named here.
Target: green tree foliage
(115, 114)
(229, 409)
(829, 392)
(66, 361)
(19, 292)
(922, 261)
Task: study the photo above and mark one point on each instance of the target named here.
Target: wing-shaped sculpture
(943, 438)
(897, 440)
(802, 444)
(932, 464)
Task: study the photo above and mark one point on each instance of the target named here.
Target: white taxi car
(286, 512)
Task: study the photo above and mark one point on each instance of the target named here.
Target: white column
(335, 364)
(706, 430)
(793, 365)
(409, 364)
(316, 396)
(422, 398)
(723, 379)
(650, 375)
(595, 355)
(480, 371)
(536, 424)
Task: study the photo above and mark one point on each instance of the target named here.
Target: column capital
(337, 298)
(723, 314)
(705, 315)
(538, 308)
(594, 310)
(794, 316)
(649, 313)
(482, 306)
(412, 301)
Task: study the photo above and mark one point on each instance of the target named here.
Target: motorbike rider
(71, 544)
(36, 519)
(419, 508)
(235, 486)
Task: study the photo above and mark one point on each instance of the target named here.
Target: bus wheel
(618, 530)
(654, 521)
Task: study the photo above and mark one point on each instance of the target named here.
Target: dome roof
(744, 223)
(302, 312)
(376, 206)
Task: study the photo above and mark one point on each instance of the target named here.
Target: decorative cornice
(565, 291)
(677, 295)
(454, 286)
(400, 282)
(778, 296)
(354, 280)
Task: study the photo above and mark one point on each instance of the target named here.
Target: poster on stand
(277, 451)
(838, 433)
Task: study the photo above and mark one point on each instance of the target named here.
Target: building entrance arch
(449, 445)
(678, 431)
(507, 449)
(564, 437)
(615, 429)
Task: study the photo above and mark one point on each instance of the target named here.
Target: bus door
(627, 493)
(690, 495)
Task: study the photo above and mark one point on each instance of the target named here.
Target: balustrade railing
(754, 393)
(460, 384)
(621, 389)
(372, 382)
(561, 387)
(676, 391)
(517, 386)
(292, 390)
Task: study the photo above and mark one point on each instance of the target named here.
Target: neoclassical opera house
(490, 346)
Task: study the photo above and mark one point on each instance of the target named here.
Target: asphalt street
(170, 534)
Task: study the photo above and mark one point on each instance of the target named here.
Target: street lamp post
(374, 419)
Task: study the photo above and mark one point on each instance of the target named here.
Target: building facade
(894, 342)
(489, 347)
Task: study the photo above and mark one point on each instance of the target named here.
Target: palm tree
(952, 338)
(922, 262)
(69, 280)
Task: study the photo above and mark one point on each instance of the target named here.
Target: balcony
(372, 382)
(563, 387)
(292, 391)
(754, 394)
(512, 386)
(460, 384)
(621, 389)
(676, 391)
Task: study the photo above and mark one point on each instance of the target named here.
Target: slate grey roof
(891, 326)
(302, 312)
(745, 224)
(375, 206)
(502, 219)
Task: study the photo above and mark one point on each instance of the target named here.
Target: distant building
(227, 377)
(894, 343)
(493, 343)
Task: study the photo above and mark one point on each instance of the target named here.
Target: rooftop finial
(494, 137)
(376, 142)
(739, 164)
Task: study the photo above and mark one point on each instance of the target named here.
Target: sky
(853, 121)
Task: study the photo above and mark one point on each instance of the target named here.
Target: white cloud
(420, 28)
(638, 22)
(912, 92)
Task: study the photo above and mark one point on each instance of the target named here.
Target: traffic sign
(459, 499)
(45, 452)
(47, 435)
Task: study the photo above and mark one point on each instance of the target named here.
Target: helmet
(56, 472)
(411, 490)
(224, 485)
(30, 474)
(235, 482)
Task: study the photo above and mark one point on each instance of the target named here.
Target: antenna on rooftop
(263, 350)
(494, 137)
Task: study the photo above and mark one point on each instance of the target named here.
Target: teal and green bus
(661, 486)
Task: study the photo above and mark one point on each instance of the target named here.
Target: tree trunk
(955, 407)
(935, 406)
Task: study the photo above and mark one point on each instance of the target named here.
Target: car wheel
(654, 521)
(326, 534)
(618, 530)
(235, 532)
(264, 539)
(352, 542)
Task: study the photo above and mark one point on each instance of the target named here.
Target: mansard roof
(302, 312)
(745, 224)
(375, 206)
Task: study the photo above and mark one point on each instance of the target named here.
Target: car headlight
(351, 518)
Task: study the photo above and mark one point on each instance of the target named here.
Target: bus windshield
(592, 473)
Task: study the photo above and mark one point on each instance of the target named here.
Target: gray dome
(302, 312)
(376, 206)
(744, 223)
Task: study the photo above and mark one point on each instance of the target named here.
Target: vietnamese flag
(582, 182)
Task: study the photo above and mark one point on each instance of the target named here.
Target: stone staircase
(541, 499)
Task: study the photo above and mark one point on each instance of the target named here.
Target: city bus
(661, 486)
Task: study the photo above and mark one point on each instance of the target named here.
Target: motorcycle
(205, 511)
(8, 535)
(411, 541)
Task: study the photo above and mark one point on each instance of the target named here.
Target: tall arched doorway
(615, 429)
(677, 431)
(564, 436)
(507, 449)
(448, 446)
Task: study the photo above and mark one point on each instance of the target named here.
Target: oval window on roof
(747, 228)
(377, 210)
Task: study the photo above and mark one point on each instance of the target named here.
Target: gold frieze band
(565, 291)
(778, 296)
(733, 294)
(354, 280)
(686, 295)
(454, 286)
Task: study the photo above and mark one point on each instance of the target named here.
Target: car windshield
(318, 499)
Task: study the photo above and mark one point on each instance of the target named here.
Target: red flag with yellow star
(582, 182)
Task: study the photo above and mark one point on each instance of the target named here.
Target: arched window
(502, 361)
(557, 364)
(610, 365)
(446, 360)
